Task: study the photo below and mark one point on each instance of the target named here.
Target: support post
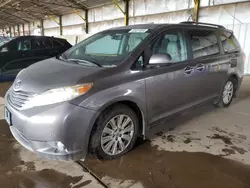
(10, 31)
(23, 30)
(14, 32)
(18, 30)
(126, 15)
(29, 28)
(60, 25)
(196, 10)
(86, 21)
(42, 27)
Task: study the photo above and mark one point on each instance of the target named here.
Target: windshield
(106, 49)
(4, 40)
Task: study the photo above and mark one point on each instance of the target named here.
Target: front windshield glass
(4, 40)
(106, 49)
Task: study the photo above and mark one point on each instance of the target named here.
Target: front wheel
(227, 94)
(115, 132)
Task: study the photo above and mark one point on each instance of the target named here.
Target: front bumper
(38, 127)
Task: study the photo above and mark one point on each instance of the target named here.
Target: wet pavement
(155, 168)
(19, 171)
(206, 147)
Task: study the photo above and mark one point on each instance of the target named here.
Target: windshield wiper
(85, 62)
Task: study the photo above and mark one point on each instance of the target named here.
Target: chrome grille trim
(18, 99)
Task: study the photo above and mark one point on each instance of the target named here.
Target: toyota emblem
(17, 85)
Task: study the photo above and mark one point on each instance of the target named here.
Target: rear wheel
(115, 132)
(227, 93)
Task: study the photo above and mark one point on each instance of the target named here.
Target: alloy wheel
(228, 92)
(117, 134)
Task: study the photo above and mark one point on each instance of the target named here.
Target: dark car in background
(23, 51)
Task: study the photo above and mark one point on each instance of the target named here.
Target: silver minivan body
(62, 130)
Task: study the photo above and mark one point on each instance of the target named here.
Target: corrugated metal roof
(23, 11)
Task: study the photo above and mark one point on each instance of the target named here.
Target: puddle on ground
(225, 139)
(159, 169)
(12, 175)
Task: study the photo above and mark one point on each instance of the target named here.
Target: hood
(52, 73)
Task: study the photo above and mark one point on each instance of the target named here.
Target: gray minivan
(110, 89)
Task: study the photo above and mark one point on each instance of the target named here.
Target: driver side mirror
(4, 49)
(160, 59)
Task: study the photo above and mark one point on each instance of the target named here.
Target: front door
(171, 88)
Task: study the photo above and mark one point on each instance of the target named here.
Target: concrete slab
(206, 147)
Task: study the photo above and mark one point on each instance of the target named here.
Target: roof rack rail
(205, 24)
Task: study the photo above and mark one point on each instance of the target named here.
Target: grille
(19, 98)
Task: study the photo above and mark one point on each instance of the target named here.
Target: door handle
(200, 67)
(189, 70)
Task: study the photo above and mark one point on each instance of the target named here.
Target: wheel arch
(131, 104)
(235, 77)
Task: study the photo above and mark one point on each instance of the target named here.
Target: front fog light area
(58, 146)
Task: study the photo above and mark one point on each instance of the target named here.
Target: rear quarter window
(203, 43)
(229, 42)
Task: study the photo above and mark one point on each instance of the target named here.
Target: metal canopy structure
(13, 12)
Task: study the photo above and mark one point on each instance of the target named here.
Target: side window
(47, 43)
(56, 43)
(172, 43)
(229, 42)
(203, 43)
(42, 43)
(139, 63)
(23, 45)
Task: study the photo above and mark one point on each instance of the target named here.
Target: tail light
(244, 57)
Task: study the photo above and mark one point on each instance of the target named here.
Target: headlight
(58, 95)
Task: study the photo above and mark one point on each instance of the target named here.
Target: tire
(224, 103)
(103, 129)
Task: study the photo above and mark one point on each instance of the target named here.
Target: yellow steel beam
(125, 13)
(53, 19)
(76, 12)
(196, 10)
(119, 7)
